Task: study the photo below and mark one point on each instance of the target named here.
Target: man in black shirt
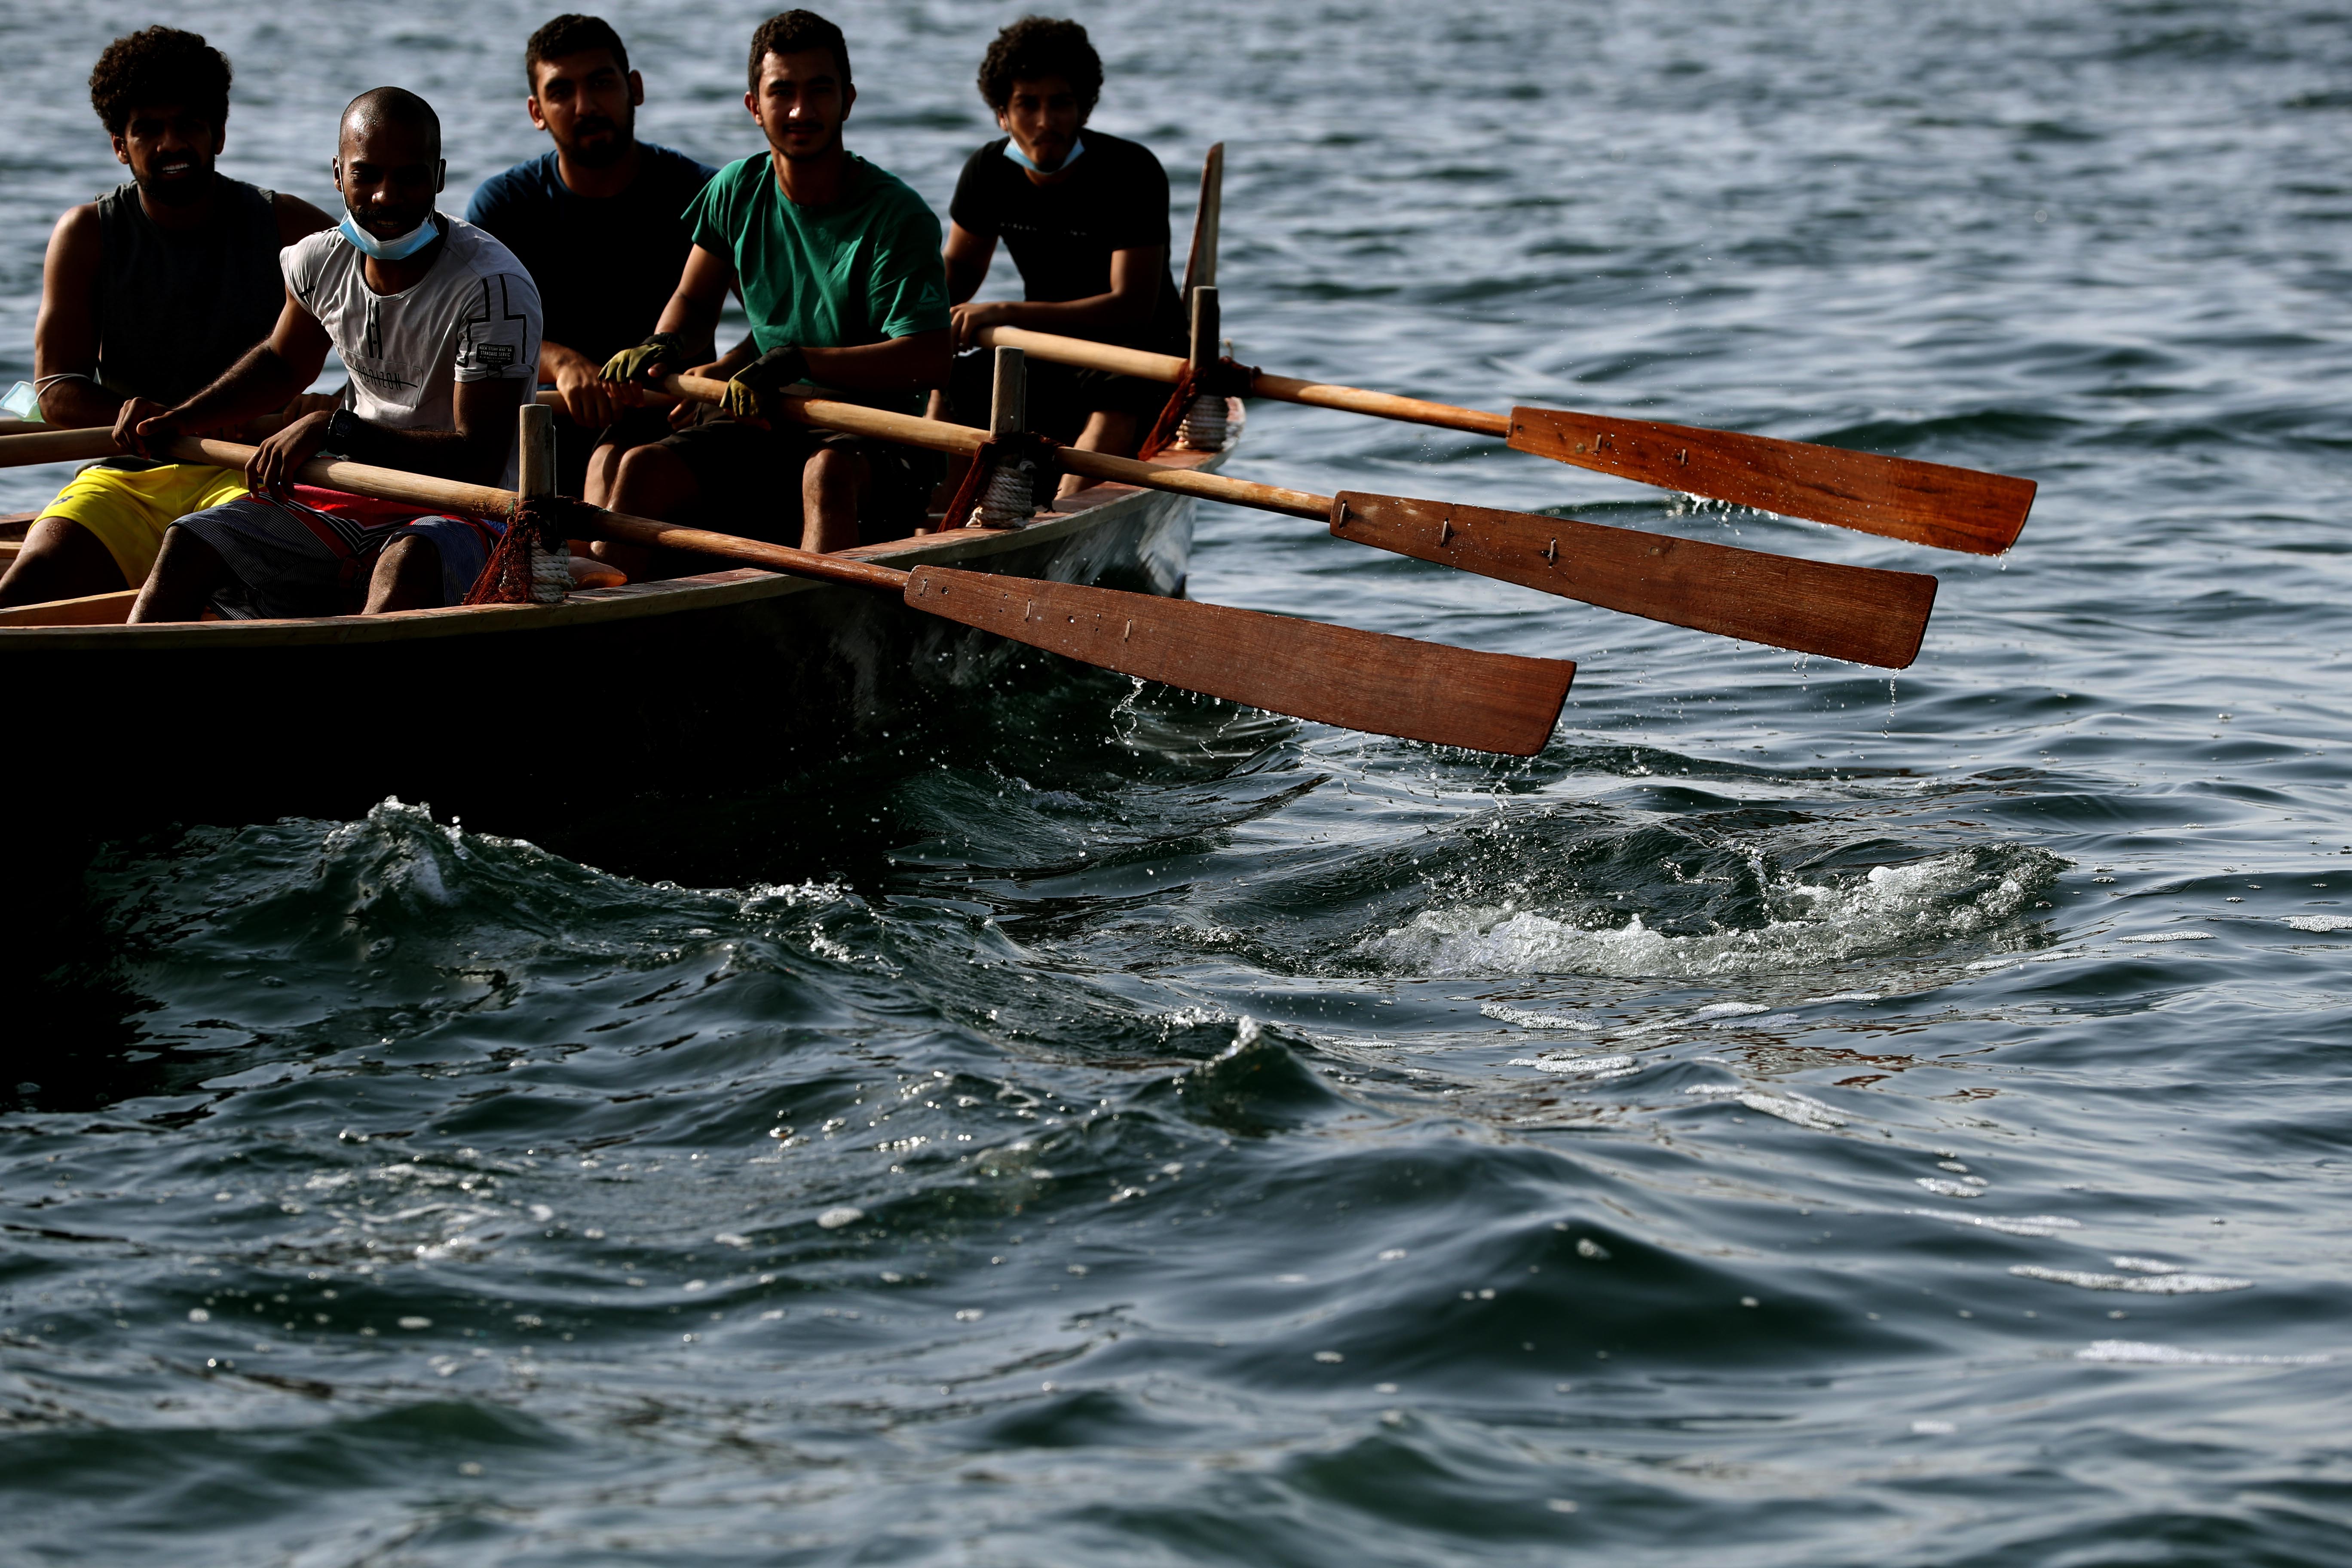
(600, 222)
(1086, 216)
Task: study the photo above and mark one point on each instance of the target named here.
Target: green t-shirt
(863, 270)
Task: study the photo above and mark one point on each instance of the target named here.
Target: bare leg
(61, 560)
(188, 573)
(407, 576)
(1117, 434)
(832, 484)
(603, 474)
(647, 481)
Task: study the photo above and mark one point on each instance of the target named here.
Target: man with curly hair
(1086, 216)
(148, 294)
(838, 264)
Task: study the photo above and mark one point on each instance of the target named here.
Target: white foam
(1843, 996)
(1891, 909)
(2022, 1225)
(1801, 1109)
(2170, 936)
(2139, 1284)
(1525, 1019)
(2136, 1353)
(1565, 1064)
(1944, 1189)
(2144, 1266)
(1727, 1010)
(2320, 923)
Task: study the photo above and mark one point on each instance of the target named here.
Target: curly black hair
(791, 32)
(1038, 46)
(159, 65)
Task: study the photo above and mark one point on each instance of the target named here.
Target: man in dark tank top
(147, 295)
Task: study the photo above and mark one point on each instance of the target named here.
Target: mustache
(177, 182)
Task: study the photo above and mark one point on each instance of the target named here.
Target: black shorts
(1060, 396)
(747, 479)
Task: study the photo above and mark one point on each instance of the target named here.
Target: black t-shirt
(605, 266)
(1062, 234)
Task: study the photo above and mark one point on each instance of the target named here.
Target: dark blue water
(1802, 1119)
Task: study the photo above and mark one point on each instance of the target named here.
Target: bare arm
(476, 450)
(1134, 294)
(65, 333)
(701, 293)
(968, 255)
(896, 365)
(590, 402)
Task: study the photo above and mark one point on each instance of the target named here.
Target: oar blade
(1857, 613)
(1332, 675)
(1899, 498)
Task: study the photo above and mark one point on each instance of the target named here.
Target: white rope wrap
(1203, 429)
(551, 574)
(1007, 501)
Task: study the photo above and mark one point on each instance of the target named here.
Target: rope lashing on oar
(1010, 477)
(531, 563)
(1185, 421)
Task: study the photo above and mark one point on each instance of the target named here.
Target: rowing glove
(751, 394)
(662, 352)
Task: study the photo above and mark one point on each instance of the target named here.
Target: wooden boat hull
(710, 683)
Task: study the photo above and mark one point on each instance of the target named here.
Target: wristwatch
(352, 435)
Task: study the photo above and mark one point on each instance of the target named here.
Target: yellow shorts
(129, 510)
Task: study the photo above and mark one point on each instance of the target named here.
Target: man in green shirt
(838, 266)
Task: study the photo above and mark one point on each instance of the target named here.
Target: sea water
(1802, 1118)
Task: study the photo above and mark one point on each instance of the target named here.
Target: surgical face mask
(400, 249)
(1012, 150)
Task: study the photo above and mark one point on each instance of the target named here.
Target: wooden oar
(1857, 613)
(1899, 498)
(1307, 670)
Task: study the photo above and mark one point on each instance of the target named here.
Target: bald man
(439, 326)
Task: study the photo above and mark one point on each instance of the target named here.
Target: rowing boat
(713, 680)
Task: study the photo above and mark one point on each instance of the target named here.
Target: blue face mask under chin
(1012, 150)
(400, 249)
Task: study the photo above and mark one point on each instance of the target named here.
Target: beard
(823, 149)
(179, 190)
(613, 139)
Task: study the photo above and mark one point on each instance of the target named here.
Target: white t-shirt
(475, 317)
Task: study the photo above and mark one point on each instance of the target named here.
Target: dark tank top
(175, 310)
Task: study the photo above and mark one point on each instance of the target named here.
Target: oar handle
(939, 436)
(1147, 366)
(37, 445)
(488, 500)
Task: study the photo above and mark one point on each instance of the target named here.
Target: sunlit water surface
(1805, 1117)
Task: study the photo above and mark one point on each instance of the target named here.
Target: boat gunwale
(596, 606)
